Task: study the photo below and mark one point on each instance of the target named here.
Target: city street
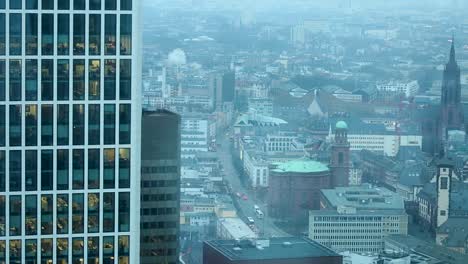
(266, 226)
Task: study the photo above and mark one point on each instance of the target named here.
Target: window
(94, 135)
(93, 250)
(2, 78)
(47, 214)
(111, 4)
(125, 79)
(109, 168)
(108, 212)
(62, 250)
(126, 4)
(62, 124)
(2, 179)
(79, 4)
(48, 4)
(124, 212)
(94, 34)
(15, 170)
(46, 250)
(15, 80)
(15, 125)
(94, 80)
(125, 124)
(110, 36)
(443, 183)
(78, 169)
(78, 33)
(47, 125)
(31, 170)
(77, 249)
(109, 79)
(2, 217)
(31, 125)
(31, 80)
(47, 165)
(31, 34)
(124, 249)
(78, 79)
(47, 34)
(31, 251)
(93, 212)
(78, 124)
(94, 168)
(47, 85)
(15, 30)
(63, 33)
(15, 247)
(109, 124)
(125, 34)
(63, 83)
(15, 216)
(62, 214)
(62, 169)
(124, 168)
(63, 4)
(78, 213)
(108, 249)
(30, 215)
(2, 34)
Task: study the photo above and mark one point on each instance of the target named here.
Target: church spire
(452, 51)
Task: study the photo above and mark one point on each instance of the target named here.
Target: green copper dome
(341, 125)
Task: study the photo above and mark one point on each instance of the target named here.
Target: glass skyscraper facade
(70, 116)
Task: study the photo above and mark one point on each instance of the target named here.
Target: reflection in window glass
(111, 4)
(109, 124)
(47, 165)
(124, 212)
(125, 4)
(78, 213)
(15, 125)
(94, 125)
(63, 83)
(124, 249)
(95, 4)
(46, 250)
(15, 32)
(31, 4)
(78, 169)
(2, 216)
(47, 85)
(110, 36)
(48, 4)
(93, 212)
(30, 211)
(31, 80)
(31, 170)
(77, 249)
(93, 168)
(2, 80)
(15, 4)
(94, 34)
(94, 80)
(3, 249)
(63, 4)
(63, 34)
(2, 176)
(15, 250)
(15, 215)
(125, 34)
(62, 250)
(124, 168)
(47, 125)
(31, 34)
(125, 79)
(31, 125)
(79, 34)
(109, 168)
(78, 79)
(108, 249)
(47, 34)
(79, 4)
(62, 125)
(46, 214)
(93, 250)
(2, 34)
(62, 169)
(78, 124)
(15, 170)
(15, 80)
(109, 79)
(124, 126)
(109, 212)
(62, 213)
(31, 251)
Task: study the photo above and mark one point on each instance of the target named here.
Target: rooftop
(237, 228)
(300, 166)
(278, 248)
(364, 196)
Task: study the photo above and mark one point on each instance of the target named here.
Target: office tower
(160, 187)
(69, 131)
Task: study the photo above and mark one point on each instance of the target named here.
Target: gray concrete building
(160, 187)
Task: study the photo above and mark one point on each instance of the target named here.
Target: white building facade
(70, 110)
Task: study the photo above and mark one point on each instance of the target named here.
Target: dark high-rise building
(451, 108)
(160, 187)
(222, 89)
(229, 86)
(340, 163)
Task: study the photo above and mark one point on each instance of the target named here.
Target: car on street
(250, 220)
(245, 197)
(238, 194)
